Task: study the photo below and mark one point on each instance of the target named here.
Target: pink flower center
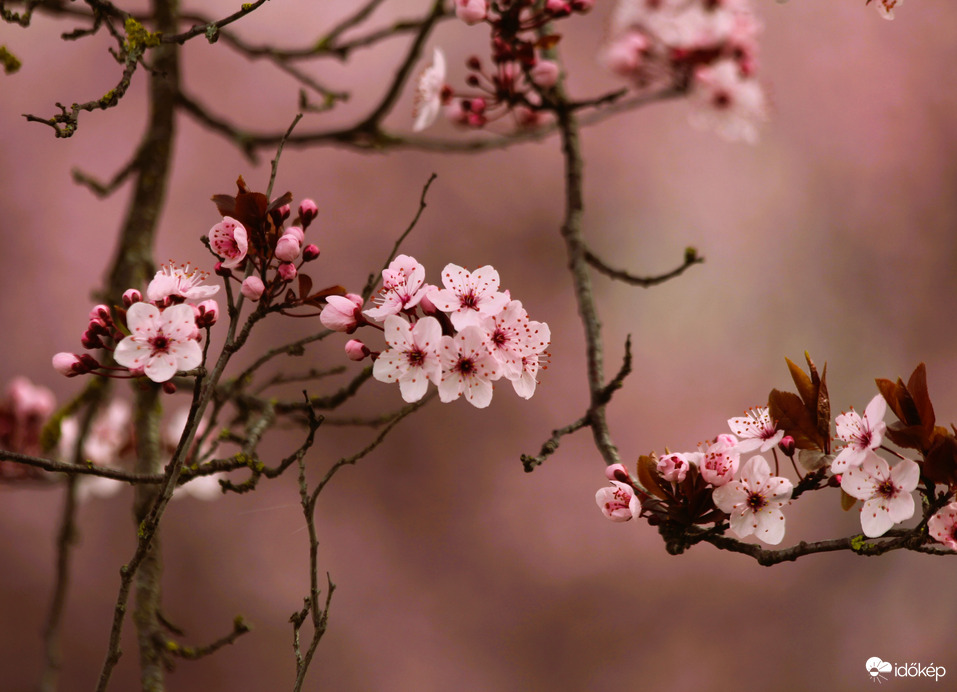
(887, 489)
(416, 357)
(466, 366)
(160, 343)
(756, 501)
(469, 301)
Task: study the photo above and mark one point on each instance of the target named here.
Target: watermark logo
(879, 670)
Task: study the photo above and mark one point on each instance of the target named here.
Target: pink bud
(284, 211)
(673, 467)
(618, 503)
(100, 313)
(91, 339)
(787, 445)
(558, 8)
(310, 252)
(471, 11)
(287, 271)
(130, 296)
(288, 248)
(220, 270)
(341, 313)
(296, 233)
(307, 212)
(169, 387)
(252, 288)
(617, 472)
(66, 364)
(356, 350)
(545, 73)
(206, 313)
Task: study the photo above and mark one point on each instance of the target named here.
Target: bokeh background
(837, 234)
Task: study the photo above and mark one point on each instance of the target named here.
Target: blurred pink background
(837, 233)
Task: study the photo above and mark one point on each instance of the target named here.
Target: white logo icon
(876, 669)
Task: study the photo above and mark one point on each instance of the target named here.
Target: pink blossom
(413, 357)
(674, 467)
(754, 501)
(886, 492)
(161, 343)
(71, 364)
(294, 232)
(252, 288)
(943, 526)
(719, 462)
(402, 288)
(229, 240)
(756, 430)
(28, 400)
(726, 101)
(109, 433)
(288, 247)
(471, 11)
(618, 503)
(428, 93)
(860, 434)
(341, 313)
(468, 367)
(625, 55)
(616, 472)
(179, 281)
(467, 296)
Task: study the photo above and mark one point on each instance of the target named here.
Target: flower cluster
(157, 337)
(252, 239)
(24, 410)
(707, 48)
(519, 75)
(712, 485)
(468, 335)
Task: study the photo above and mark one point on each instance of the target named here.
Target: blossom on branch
(468, 296)
(229, 240)
(429, 93)
(161, 343)
(413, 357)
(179, 282)
(886, 492)
(468, 367)
(754, 501)
(861, 434)
(943, 526)
(618, 503)
(755, 430)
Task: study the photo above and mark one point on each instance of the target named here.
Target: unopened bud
(130, 296)
(252, 288)
(617, 472)
(169, 387)
(288, 247)
(307, 212)
(310, 252)
(287, 271)
(206, 313)
(66, 364)
(787, 445)
(356, 350)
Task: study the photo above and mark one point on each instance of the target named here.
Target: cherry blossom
(886, 492)
(943, 526)
(618, 503)
(726, 101)
(754, 501)
(471, 11)
(674, 467)
(109, 433)
(756, 430)
(428, 93)
(179, 281)
(467, 296)
(468, 367)
(229, 240)
(402, 288)
(860, 434)
(719, 461)
(161, 343)
(413, 357)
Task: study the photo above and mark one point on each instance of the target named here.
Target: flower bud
(787, 445)
(169, 387)
(287, 271)
(67, 364)
(341, 313)
(617, 472)
(296, 232)
(130, 296)
(288, 247)
(356, 350)
(252, 288)
(220, 270)
(310, 252)
(545, 73)
(284, 211)
(206, 313)
(91, 339)
(100, 313)
(307, 212)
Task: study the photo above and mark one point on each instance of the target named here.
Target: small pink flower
(229, 240)
(755, 500)
(468, 296)
(618, 503)
(179, 281)
(252, 288)
(726, 101)
(413, 357)
(28, 400)
(719, 462)
(886, 492)
(428, 93)
(756, 430)
(943, 526)
(625, 56)
(861, 434)
(109, 433)
(160, 342)
(341, 313)
(468, 367)
(402, 288)
(674, 467)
